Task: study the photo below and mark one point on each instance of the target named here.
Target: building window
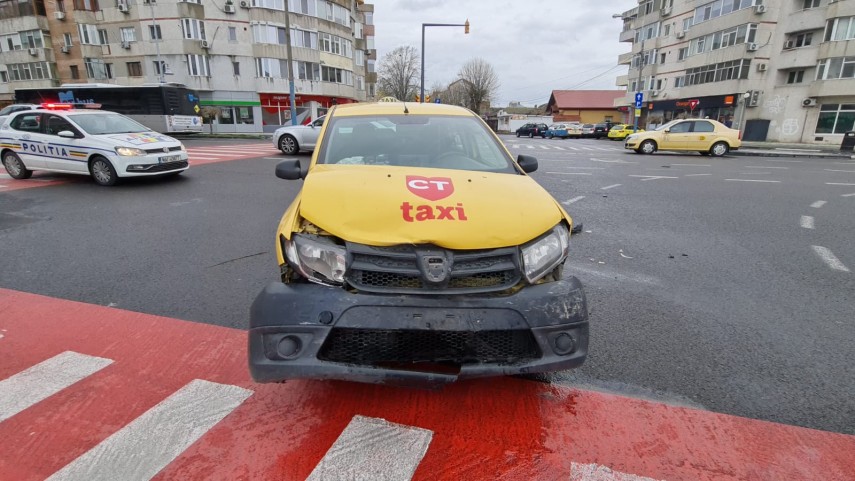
(95, 69)
(795, 77)
(31, 39)
(4, 76)
(719, 72)
(305, 7)
(800, 40)
(60, 5)
(725, 38)
(129, 34)
(679, 82)
(91, 5)
(682, 53)
(718, 8)
(232, 34)
(336, 75)
(29, 71)
(134, 69)
(304, 38)
(810, 4)
(836, 118)
(66, 39)
(88, 34)
(357, 30)
(236, 68)
(75, 72)
(842, 28)
(160, 68)
(102, 37)
(271, 68)
(336, 45)
(193, 29)
(359, 59)
(836, 68)
(271, 4)
(308, 71)
(197, 66)
(154, 32)
(334, 13)
(667, 30)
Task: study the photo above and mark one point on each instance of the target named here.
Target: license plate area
(169, 158)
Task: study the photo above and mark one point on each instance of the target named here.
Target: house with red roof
(585, 106)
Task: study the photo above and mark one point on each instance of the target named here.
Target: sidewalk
(777, 149)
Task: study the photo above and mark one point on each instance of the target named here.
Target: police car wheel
(103, 172)
(15, 167)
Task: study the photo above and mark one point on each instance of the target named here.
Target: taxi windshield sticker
(433, 189)
(142, 138)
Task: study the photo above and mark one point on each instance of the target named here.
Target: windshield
(440, 142)
(667, 126)
(108, 123)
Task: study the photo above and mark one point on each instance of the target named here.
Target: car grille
(401, 269)
(160, 150)
(164, 167)
(371, 346)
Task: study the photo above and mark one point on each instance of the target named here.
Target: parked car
(291, 139)
(105, 145)
(587, 130)
(532, 129)
(10, 109)
(705, 136)
(621, 131)
(562, 131)
(431, 270)
(601, 130)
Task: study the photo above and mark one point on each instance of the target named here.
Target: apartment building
(233, 52)
(778, 70)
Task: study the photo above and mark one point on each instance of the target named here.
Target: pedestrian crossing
(580, 148)
(221, 153)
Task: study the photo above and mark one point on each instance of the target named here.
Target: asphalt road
(716, 283)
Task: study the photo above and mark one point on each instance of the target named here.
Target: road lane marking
(783, 160)
(372, 448)
(765, 167)
(597, 472)
(829, 258)
(848, 195)
(611, 186)
(818, 204)
(753, 173)
(695, 175)
(618, 161)
(833, 170)
(806, 222)
(45, 379)
(755, 180)
(653, 177)
(147, 444)
(570, 173)
(837, 183)
(574, 199)
(693, 165)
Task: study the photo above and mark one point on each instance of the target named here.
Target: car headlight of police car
(130, 151)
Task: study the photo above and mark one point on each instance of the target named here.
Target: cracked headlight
(545, 253)
(316, 258)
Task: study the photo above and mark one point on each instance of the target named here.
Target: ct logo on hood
(430, 188)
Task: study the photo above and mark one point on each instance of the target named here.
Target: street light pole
(422, 83)
(157, 43)
(291, 94)
(638, 87)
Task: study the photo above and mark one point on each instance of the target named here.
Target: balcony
(625, 58)
(811, 19)
(832, 88)
(627, 36)
(803, 57)
(622, 81)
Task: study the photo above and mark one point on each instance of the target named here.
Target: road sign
(639, 97)
(693, 103)
(638, 112)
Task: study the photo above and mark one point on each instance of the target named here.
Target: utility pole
(291, 94)
(638, 87)
(422, 83)
(157, 42)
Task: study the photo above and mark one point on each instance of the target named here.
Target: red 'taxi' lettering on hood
(430, 188)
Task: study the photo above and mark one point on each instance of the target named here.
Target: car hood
(140, 140)
(455, 209)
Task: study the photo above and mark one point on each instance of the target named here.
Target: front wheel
(530, 135)
(518, 135)
(102, 172)
(719, 149)
(648, 146)
(15, 167)
(288, 145)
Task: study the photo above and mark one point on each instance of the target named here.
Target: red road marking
(490, 429)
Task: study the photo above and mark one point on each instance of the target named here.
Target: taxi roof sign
(388, 99)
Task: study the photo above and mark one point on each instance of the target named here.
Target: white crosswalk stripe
(565, 148)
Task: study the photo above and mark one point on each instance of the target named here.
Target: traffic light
(427, 98)
(418, 98)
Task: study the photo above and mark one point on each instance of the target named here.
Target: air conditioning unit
(65, 49)
(759, 8)
(204, 44)
(126, 44)
(229, 8)
(680, 34)
(59, 15)
(789, 44)
(123, 7)
(244, 4)
(809, 102)
(34, 52)
(761, 67)
(752, 47)
(754, 99)
(666, 11)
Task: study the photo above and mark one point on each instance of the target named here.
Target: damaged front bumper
(318, 332)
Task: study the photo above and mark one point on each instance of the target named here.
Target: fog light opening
(563, 344)
(289, 347)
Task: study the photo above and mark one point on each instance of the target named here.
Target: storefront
(716, 107)
(276, 108)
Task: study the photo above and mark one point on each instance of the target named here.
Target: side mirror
(289, 170)
(67, 134)
(667, 130)
(527, 163)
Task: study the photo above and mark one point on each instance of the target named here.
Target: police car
(105, 145)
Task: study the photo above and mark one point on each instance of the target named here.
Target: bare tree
(480, 83)
(398, 73)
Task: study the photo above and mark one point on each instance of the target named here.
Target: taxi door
(678, 137)
(703, 133)
(25, 137)
(64, 153)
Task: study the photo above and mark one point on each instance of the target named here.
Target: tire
(647, 147)
(531, 135)
(719, 149)
(102, 172)
(288, 145)
(15, 166)
(551, 136)
(518, 134)
(543, 136)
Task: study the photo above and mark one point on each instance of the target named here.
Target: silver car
(10, 109)
(294, 138)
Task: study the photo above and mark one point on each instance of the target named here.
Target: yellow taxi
(621, 131)
(417, 251)
(705, 136)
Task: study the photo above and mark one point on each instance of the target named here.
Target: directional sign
(639, 97)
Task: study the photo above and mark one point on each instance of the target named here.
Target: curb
(772, 153)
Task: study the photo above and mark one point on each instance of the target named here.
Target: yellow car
(417, 251)
(621, 131)
(701, 135)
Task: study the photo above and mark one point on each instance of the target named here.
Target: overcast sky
(534, 46)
